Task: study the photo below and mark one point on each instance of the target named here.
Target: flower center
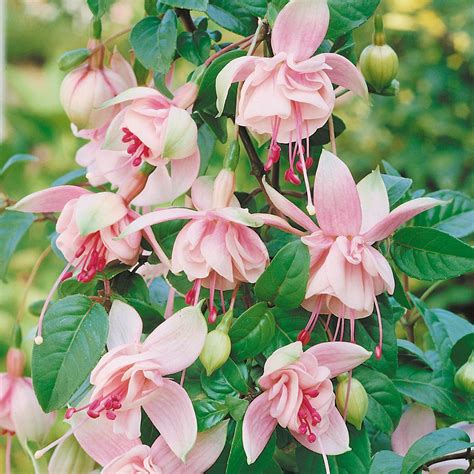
(308, 416)
(137, 150)
(90, 258)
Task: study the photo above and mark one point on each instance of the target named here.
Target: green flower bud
(358, 402)
(378, 61)
(217, 347)
(464, 378)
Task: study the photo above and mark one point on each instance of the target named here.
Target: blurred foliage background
(425, 131)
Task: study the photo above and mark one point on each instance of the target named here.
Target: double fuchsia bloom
(217, 248)
(347, 272)
(20, 412)
(298, 395)
(154, 129)
(132, 375)
(290, 95)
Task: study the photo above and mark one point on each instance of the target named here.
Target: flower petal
(98, 210)
(71, 458)
(201, 193)
(49, 200)
(181, 135)
(132, 94)
(171, 411)
(208, 447)
(300, 28)
(258, 427)
(346, 74)
(238, 215)
(339, 357)
(282, 357)
(373, 200)
(278, 222)
(335, 197)
(416, 422)
(125, 325)
(289, 209)
(178, 341)
(399, 216)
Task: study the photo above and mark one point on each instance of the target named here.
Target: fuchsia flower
(132, 376)
(298, 395)
(84, 89)
(418, 421)
(217, 248)
(20, 412)
(290, 96)
(154, 129)
(347, 272)
(88, 227)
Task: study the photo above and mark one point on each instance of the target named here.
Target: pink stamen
(137, 149)
(304, 337)
(69, 412)
(378, 349)
(212, 309)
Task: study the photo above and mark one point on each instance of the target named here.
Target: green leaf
(131, 286)
(434, 389)
(166, 234)
(284, 281)
(71, 59)
(195, 46)
(386, 462)
(206, 143)
(150, 315)
(433, 445)
(445, 329)
(237, 407)
(455, 218)
(321, 137)
(414, 351)
(345, 15)
(200, 5)
(252, 331)
(148, 431)
(13, 226)
(238, 16)
(73, 177)
(430, 254)
(74, 287)
(99, 7)
(20, 158)
(462, 349)
(218, 125)
(399, 293)
(396, 187)
(154, 41)
(209, 413)
(385, 403)
(228, 380)
(74, 331)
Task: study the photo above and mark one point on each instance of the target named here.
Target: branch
(468, 455)
(186, 19)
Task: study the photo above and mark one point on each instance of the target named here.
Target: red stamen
(304, 337)
(69, 412)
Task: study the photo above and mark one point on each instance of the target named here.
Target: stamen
(378, 349)
(137, 149)
(304, 337)
(212, 309)
(8, 454)
(222, 301)
(169, 310)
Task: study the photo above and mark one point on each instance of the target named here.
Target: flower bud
(15, 362)
(70, 457)
(224, 187)
(378, 61)
(357, 402)
(464, 378)
(217, 347)
(186, 95)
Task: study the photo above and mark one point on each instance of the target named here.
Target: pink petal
(335, 197)
(98, 440)
(282, 357)
(171, 411)
(49, 200)
(399, 216)
(69, 457)
(258, 427)
(345, 74)
(289, 209)
(150, 237)
(178, 341)
(237, 215)
(201, 193)
(300, 28)
(278, 222)
(162, 215)
(208, 447)
(119, 65)
(339, 357)
(125, 325)
(416, 422)
(134, 93)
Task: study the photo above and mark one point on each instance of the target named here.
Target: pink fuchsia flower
(347, 272)
(20, 412)
(418, 421)
(157, 130)
(88, 227)
(298, 395)
(290, 96)
(132, 376)
(218, 248)
(84, 89)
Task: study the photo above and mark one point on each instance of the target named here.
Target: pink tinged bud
(186, 95)
(224, 187)
(15, 362)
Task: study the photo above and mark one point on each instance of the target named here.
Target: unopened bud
(464, 378)
(186, 95)
(378, 61)
(15, 362)
(70, 457)
(357, 401)
(224, 187)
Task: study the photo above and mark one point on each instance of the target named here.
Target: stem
(332, 135)
(8, 454)
(110, 39)
(430, 290)
(31, 278)
(468, 454)
(186, 19)
(228, 48)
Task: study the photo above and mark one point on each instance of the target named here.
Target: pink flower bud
(224, 187)
(185, 96)
(15, 362)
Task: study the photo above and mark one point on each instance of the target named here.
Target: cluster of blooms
(145, 145)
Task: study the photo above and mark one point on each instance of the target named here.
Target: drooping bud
(224, 187)
(186, 95)
(357, 400)
(15, 362)
(70, 457)
(217, 347)
(464, 378)
(378, 61)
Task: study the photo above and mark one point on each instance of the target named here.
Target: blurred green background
(425, 132)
